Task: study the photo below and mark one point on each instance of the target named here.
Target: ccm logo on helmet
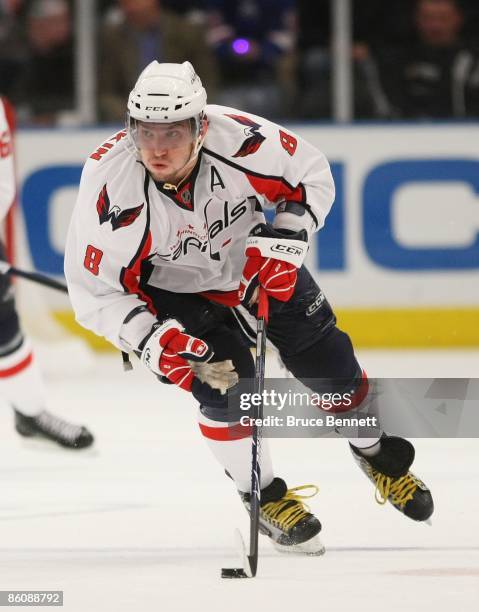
(290, 250)
(156, 108)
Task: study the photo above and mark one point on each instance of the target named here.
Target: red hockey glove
(273, 257)
(168, 351)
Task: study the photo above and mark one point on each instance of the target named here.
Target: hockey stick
(251, 560)
(41, 279)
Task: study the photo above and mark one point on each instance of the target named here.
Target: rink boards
(399, 255)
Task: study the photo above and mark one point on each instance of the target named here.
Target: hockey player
(166, 248)
(20, 380)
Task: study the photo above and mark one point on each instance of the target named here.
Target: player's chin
(160, 172)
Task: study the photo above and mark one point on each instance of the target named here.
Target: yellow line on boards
(411, 328)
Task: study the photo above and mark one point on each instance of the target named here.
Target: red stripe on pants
(226, 434)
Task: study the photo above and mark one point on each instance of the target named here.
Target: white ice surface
(145, 521)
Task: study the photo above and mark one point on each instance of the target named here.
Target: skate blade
(312, 548)
(40, 444)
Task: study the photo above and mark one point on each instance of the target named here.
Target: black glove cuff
(268, 231)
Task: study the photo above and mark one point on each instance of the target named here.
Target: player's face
(165, 148)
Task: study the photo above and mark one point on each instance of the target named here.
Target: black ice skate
(286, 520)
(389, 471)
(47, 426)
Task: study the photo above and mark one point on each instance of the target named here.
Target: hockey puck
(233, 572)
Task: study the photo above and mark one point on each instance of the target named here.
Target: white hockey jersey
(191, 240)
(7, 173)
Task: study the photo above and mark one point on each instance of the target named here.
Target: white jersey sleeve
(280, 165)
(7, 170)
(107, 241)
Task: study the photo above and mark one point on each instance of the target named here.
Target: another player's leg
(314, 349)
(22, 386)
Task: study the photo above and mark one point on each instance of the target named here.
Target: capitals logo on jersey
(118, 218)
(255, 138)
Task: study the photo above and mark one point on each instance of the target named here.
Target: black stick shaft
(35, 277)
(256, 433)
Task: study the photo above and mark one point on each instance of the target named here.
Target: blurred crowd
(412, 59)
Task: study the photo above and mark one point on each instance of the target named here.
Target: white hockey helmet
(165, 93)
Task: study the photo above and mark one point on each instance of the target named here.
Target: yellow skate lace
(400, 490)
(283, 513)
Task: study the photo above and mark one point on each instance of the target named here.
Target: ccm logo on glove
(290, 250)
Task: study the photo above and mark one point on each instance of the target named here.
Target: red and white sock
(21, 383)
(230, 443)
